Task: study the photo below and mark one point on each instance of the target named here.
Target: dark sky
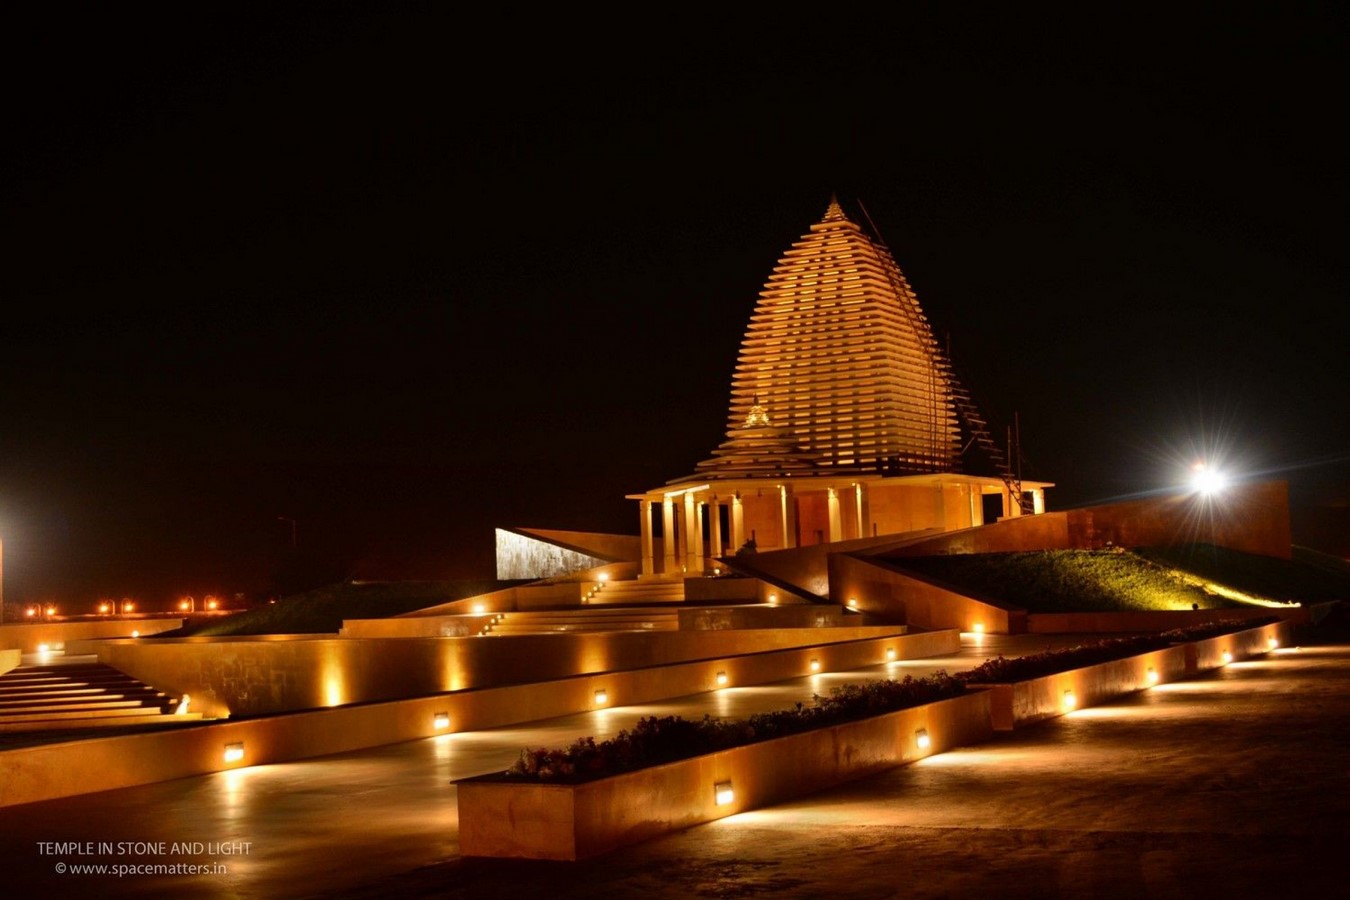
(403, 275)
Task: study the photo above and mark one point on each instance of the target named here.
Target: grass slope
(1147, 579)
(1310, 577)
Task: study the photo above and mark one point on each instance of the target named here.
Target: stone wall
(259, 676)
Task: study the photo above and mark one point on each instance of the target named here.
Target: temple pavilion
(846, 421)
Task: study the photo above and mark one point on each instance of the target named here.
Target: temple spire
(838, 348)
(834, 212)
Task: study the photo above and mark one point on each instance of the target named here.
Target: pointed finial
(834, 212)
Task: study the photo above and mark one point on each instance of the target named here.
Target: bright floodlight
(1205, 480)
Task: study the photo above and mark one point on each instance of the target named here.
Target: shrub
(1216, 628)
(1001, 670)
(656, 740)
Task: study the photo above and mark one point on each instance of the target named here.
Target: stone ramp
(81, 695)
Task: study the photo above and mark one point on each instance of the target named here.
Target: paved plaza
(1231, 784)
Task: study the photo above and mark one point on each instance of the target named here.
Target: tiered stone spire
(841, 360)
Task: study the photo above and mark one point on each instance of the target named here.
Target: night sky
(402, 275)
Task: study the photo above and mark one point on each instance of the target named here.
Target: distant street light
(212, 602)
(188, 605)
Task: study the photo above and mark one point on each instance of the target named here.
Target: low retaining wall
(876, 586)
(570, 822)
(1020, 703)
(10, 659)
(1023, 702)
(1209, 653)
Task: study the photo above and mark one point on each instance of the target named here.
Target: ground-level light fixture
(44, 648)
(890, 653)
(815, 665)
(601, 697)
(1227, 657)
(1152, 675)
(722, 793)
(441, 721)
(978, 628)
(721, 679)
(234, 752)
(1070, 700)
(922, 740)
(1272, 643)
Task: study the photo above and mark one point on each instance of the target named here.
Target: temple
(846, 421)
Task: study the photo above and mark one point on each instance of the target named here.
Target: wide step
(145, 720)
(574, 621)
(78, 695)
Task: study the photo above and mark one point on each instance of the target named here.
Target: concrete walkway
(1227, 785)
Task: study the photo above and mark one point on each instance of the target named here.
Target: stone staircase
(634, 592)
(576, 621)
(78, 695)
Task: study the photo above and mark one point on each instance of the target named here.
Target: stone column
(714, 527)
(693, 561)
(858, 495)
(737, 522)
(668, 536)
(836, 523)
(648, 563)
(789, 517)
